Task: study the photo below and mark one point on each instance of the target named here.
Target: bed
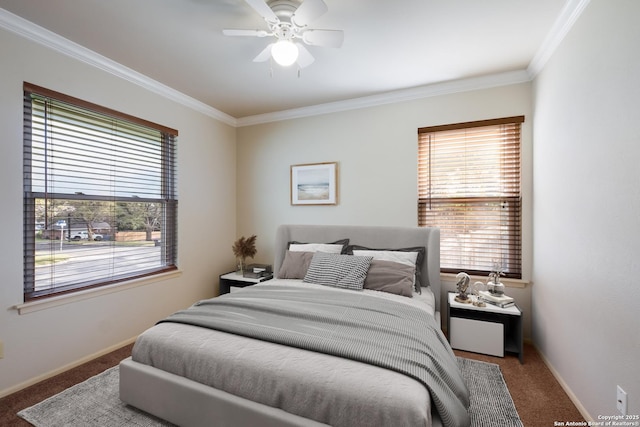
(196, 369)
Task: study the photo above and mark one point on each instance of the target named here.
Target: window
(469, 186)
(100, 199)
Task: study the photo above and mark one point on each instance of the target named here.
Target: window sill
(509, 283)
(45, 303)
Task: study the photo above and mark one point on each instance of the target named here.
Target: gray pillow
(295, 265)
(391, 277)
(341, 271)
(422, 253)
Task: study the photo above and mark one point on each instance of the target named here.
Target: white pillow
(316, 247)
(407, 258)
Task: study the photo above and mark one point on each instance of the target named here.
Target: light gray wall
(587, 207)
(376, 150)
(43, 342)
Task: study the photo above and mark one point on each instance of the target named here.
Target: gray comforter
(348, 324)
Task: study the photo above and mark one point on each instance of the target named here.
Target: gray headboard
(370, 236)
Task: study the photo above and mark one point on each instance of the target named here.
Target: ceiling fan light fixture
(288, 21)
(285, 53)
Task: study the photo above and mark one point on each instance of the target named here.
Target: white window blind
(100, 198)
(469, 186)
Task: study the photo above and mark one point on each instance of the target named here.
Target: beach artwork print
(313, 184)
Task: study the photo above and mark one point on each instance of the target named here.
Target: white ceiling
(388, 46)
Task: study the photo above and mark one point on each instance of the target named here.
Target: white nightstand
(237, 280)
(488, 330)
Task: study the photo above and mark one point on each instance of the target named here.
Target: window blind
(100, 196)
(469, 186)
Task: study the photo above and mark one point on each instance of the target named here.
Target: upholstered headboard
(372, 237)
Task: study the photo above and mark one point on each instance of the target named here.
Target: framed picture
(314, 184)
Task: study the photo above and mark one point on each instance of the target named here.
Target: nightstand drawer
(234, 286)
(477, 336)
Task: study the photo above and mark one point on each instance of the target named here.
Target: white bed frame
(188, 403)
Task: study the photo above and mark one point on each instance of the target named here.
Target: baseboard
(65, 368)
(583, 411)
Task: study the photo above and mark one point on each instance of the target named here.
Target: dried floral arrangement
(245, 247)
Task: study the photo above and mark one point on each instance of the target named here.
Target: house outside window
(469, 186)
(100, 196)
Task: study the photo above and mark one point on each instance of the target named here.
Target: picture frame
(314, 184)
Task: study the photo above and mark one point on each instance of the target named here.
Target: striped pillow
(341, 271)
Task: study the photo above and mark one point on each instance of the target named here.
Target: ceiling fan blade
(304, 57)
(264, 55)
(263, 9)
(254, 33)
(308, 11)
(325, 38)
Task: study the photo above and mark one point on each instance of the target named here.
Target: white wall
(39, 343)
(587, 207)
(376, 150)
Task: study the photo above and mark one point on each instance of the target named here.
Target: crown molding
(420, 92)
(568, 16)
(49, 39)
(565, 21)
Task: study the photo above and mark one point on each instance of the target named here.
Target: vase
(498, 289)
(241, 265)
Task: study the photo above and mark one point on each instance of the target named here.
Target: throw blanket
(347, 324)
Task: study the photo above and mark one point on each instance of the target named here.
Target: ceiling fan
(288, 21)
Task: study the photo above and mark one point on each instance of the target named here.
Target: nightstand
(489, 330)
(235, 279)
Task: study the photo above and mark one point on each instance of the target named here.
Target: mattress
(325, 388)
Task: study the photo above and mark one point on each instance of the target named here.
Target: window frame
(472, 207)
(166, 183)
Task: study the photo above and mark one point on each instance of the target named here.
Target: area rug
(491, 402)
(96, 402)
